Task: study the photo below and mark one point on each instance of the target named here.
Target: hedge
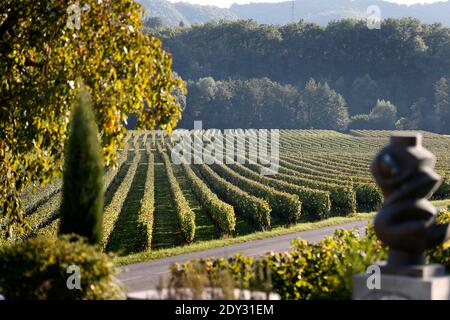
(255, 210)
(368, 197)
(284, 205)
(221, 212)
(343, 199)
(315, 203)
(38, 269)
(310, 271)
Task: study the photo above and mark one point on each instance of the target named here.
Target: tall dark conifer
(82, 205)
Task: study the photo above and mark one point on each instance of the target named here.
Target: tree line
(265, 104)
(400, 72)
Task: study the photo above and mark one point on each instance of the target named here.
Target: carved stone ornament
(404, 171)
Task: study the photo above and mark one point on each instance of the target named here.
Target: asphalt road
(146, 276)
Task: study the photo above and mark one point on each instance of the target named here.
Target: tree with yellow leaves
(45, 47)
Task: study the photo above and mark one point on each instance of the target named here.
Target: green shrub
(240, 272)
(82, 203)
(309, 271)
(37, 269)
(312, 271)
(441, 254)
(315, 203)
(323, 270)
(368, 197)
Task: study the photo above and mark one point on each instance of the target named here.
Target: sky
(228, 3)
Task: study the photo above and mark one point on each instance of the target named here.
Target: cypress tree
(82, 204)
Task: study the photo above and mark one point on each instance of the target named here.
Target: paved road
(145, 276)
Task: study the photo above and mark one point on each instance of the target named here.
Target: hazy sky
(227, 3)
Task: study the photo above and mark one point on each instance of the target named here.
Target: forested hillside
(397, 76)
(317, 11)
(324, 11)
(172, 14)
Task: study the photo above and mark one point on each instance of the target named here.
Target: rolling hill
(174, 13)
(318, 11)
(324, 11)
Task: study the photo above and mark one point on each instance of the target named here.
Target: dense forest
(245, 74)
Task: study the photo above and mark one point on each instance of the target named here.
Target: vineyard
(152, 203)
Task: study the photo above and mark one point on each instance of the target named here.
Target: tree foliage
(153, 23)
(264, 104)
(323, 108)
(442, 103)
(383, 116)
(42, 53)
(433, 114)
(253, 103)
(401, 62)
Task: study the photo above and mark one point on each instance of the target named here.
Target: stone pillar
(427, 282)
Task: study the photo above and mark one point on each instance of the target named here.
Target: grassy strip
(115, 184)
(205, 228)
(166, 232)
(206, 245)
(148, 200)
(113, 210)
(221, 212)
(186, 217)
(129, 235)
